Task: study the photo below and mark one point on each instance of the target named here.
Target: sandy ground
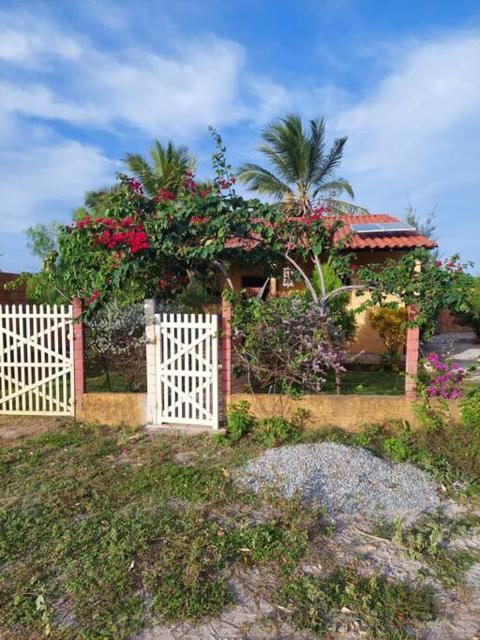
(14, 428)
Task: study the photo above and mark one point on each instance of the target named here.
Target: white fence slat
(36, 367)
(215, 383)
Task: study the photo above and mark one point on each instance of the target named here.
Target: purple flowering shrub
(281, 345)
(440, 379)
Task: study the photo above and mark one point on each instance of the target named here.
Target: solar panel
(366, 228)
(382, 227)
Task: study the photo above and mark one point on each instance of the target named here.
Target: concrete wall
(347, 412)
(129, 409)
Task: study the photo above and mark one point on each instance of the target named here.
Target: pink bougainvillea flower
(226, 183)
(198, 219)
(93, 297)
(163, 195)
(136, 186)
(81, 224)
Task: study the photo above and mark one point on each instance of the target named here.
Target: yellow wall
(347, 412)
(367, 339)
(113, 409)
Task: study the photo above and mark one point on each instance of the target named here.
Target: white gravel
(346, 480)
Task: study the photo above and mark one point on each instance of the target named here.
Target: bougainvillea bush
(281, 346)
(143, 246)
(438, 383)
(441, 379)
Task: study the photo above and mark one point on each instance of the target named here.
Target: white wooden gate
(36, 360)
(186, 370)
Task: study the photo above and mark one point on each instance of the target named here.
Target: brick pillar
(151, 362)
(226, 349)
(413, 348)
(78, 362)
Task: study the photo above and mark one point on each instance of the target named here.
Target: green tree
(165, 171)
(42, 239)
(303, 170)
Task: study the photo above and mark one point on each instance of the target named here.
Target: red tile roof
(376, 241)
(382, 240)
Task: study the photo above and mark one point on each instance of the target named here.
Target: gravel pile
(346, 480)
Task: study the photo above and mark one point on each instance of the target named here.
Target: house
(376, 238)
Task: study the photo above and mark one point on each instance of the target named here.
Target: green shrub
(277, 430)
(240, 422)
(391, 325)
(396, 449)
(470, 408)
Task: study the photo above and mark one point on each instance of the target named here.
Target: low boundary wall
(347, 412)
(129, 409)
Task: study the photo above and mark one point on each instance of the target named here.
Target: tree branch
(306, 279)
(350, 287)
(322, 279)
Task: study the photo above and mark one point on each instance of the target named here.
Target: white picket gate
(36, 360)
(182, 369)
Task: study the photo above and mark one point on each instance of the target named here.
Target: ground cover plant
(428, 540)
(104, 530)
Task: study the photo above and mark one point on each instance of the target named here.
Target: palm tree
(168, 168)
(303, 170)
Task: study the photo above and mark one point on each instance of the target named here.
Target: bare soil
(14, 428)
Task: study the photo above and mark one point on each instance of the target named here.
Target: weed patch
(427, 540)
(384, 609)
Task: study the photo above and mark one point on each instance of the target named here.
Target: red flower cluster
(164, 194)
(84, 222)
(136, 186)
(198, 219)
(135, 238)
(118, 233)
(205, 193)
(452, 265)
(189, 182)
(226, 184)
(93, 297)
(319, 212)
(354, 266)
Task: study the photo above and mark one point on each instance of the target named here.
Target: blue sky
(83, 83)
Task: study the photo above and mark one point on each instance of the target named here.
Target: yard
(106, 532)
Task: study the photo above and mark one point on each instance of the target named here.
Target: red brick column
(78, 362)
(226, 348)
(413, 348)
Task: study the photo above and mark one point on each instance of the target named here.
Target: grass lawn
(103, 531)
(372, 382)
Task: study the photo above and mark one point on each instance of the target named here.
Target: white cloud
(416, 111)
(25, 39)
(415, 138)
(179, 94)
(43, 182)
